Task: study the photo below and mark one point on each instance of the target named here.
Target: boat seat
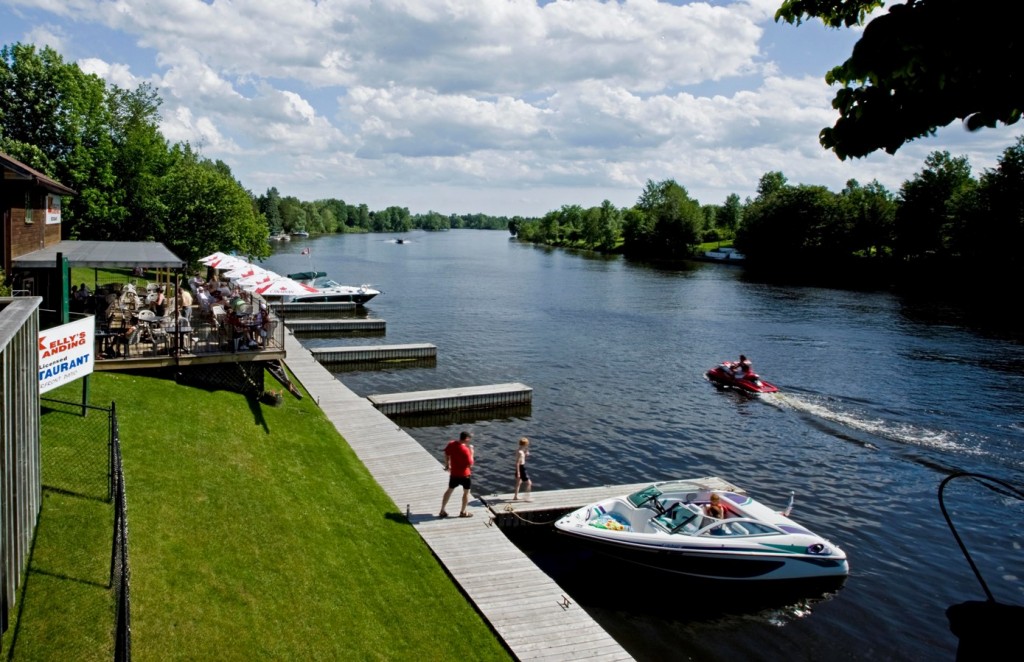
(678, 519)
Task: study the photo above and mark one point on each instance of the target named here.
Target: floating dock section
(311, 307)
(453, 399)
(317, 325)
(374, 353)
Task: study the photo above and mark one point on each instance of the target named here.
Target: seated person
(125, 337)
(204, 298)
(159, 303)
(239, 328)
(715, 508)
(260, 326)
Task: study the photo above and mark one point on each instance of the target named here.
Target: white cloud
(502, 106)
(117, 73)
(46, 35)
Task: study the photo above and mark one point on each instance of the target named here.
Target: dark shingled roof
(102, 254)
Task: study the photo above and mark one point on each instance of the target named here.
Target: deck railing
(20, 474)
(202, 335)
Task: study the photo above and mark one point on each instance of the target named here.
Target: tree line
(942, 218)
(289, 214)
(133, 185)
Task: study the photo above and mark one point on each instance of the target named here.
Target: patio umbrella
(284, 287)
(227, 263)
(213, 256)
(250, 284)
(243, 272)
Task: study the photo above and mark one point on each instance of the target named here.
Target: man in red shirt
(458, 458)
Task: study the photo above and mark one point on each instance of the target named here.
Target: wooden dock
(453, 399)
(288, 308)
(532, 614)
(347, 354)
(317, 325)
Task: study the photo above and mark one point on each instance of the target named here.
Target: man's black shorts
(455, 481)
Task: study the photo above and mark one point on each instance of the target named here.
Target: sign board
(52, 209)
(66, 353)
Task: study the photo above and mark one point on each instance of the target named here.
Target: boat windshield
(325, 283)
(644, 496)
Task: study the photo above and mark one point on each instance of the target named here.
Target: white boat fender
(789, 507)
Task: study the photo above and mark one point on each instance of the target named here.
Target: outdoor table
(181, 334)
(105, 340)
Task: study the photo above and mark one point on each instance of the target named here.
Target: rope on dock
(511, 511)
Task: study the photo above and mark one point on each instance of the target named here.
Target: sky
(502, 107)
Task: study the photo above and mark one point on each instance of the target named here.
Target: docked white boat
(329, 290)
(665, 527)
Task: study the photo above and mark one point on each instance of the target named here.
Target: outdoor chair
(129, 341)
(158, 336)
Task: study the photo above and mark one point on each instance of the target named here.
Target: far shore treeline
(133, 185)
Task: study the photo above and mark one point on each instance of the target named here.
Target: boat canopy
(307, 275)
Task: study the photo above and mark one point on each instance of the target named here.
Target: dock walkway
(526, 608)
(350, 354)
(318, 325)
(453, 399)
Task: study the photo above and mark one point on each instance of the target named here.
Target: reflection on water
(878, 402)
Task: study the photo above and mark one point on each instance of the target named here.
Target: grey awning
(102, 254)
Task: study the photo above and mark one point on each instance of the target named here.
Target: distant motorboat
(300, 233)
(281, 236)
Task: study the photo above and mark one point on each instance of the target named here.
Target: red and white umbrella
(284, 287)
(227, 263)
(251, 283)
(248, 271)
(213, 256)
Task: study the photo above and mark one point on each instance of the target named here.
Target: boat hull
(345, 297)
(329, 291)
(721, 564)
(721, 377)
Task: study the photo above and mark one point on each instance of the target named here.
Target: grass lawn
(255, 533)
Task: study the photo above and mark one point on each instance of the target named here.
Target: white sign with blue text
(66, 353)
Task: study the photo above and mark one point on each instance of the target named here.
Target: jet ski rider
(742, 368)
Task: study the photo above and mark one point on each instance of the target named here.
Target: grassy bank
(255, 533)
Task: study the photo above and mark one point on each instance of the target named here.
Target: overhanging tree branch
(919, 67)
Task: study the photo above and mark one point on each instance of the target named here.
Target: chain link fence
(77, 449)
(81, 545)
(120, 570)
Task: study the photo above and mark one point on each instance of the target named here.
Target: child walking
(522, 477)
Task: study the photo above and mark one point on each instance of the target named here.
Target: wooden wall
(20, 238)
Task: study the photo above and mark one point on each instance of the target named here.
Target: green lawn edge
(255, 532)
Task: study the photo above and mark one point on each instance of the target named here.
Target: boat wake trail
(830, 410)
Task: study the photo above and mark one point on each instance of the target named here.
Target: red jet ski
(728, 375)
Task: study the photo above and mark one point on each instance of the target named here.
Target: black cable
(942, 506)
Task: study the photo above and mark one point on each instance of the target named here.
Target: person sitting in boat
(715, 508)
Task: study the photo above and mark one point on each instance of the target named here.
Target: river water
(881, 398)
